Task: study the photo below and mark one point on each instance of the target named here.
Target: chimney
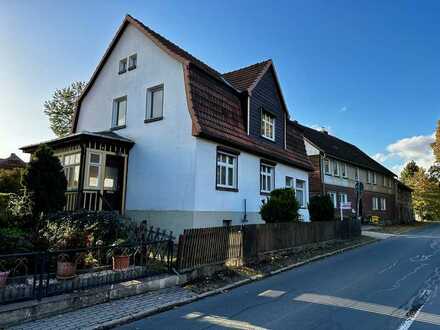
(323, 130)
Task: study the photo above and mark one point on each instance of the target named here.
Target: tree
(321, 208)
(281, 206)
(61, 107)
(10, 180)
(44, 180)
(409, 171)
(436, 144)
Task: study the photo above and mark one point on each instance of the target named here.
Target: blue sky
(367, 70)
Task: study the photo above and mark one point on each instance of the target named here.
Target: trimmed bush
(321, 208)
(281, 206)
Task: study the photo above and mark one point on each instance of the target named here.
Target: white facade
(171, 179)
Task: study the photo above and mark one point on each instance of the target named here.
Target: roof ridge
(269, 60)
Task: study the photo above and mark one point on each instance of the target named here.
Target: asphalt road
(391, 284)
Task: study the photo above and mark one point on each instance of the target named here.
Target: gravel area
(270, 263)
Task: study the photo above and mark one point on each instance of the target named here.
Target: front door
(113, 183)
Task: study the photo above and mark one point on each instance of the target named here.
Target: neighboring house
(161, 136)
(404, 208)
(13, 161)
(339, 165)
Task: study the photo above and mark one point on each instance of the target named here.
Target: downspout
(321, 170)
(248, 113)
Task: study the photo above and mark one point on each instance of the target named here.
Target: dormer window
(123, 66)
(267, 125)
(132, 62)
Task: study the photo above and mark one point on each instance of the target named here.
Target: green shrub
(10, 180)
(321, 208)
(281, 206)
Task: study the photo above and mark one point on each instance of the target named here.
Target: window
(375, 203)
(267, 178)
(344, 170)
(356, 173)
(385, 181)
(374, 178)
(154, 103)
(300, 192)
(94, 170)
(71, 165)
(132, 62)
(119, 112)
(267, 126)
(383, 204)
(123, 66)
(332, 195)
(335, 168)
(327, 166)
(343, 198)
(369, 177)
(226, 171)
(111, 178)
(390, 182)
(289, 182)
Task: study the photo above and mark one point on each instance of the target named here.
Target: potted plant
(120, 257)
(66, 261)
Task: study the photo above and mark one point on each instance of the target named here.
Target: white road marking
(272, 293)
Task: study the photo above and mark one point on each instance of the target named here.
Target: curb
(166, 307)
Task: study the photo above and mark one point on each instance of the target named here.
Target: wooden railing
(90, 200)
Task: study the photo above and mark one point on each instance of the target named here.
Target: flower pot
(121, 262)
(66, 270)
(3, 279)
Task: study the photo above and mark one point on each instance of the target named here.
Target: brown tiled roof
(342, 150)
(13, 161)
(245, 78)
(215, 101)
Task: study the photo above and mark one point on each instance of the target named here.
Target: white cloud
(343, 109)
(321, 128)
(417, 148)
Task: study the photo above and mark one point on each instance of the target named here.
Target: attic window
(267, 125)
(122, 66)
(132, 62)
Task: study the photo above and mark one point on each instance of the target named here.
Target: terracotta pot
(3, 279)
(66, 270)
(121, 262)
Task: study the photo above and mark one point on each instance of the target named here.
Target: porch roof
(80, 137)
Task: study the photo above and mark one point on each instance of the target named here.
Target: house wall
(265, 96)
(315, 177)
(161, 167)
(213, 206)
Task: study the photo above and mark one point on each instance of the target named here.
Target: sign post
(359, 187)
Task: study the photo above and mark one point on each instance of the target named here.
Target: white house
(160, 136)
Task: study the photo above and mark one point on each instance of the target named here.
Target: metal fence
(36, 275)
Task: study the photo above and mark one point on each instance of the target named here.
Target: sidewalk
(99, 315)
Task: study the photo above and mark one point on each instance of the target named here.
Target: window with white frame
(226, 170)
(122, 66)
(356, 173)
(374, 178)
(333, 197)
(300, 192)
(385, 181)
(267, 178)
(383, 204)
(335, 164)
(94, 170)
(132, 62)
(267, 125)
(327, 169)
(390, 182)
(71, 165)
(343, 198)
(369, 177)
(289, 182)
(375, 203)
(154, 103)
(119, 112)
(344, 170)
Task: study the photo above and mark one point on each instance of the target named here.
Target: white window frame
(265, 172)
(344, 169)
(292, 182)
(132, 67)
(374, 178)
(124, 62)
(149, 111)
(336, 167)
(343, 197)
(385, 181)
(267, 122)
(100, 169)
(375, 205)
(327, 165)
(304, 191)
(369, 176)
(334, 197)
(356, 174)
(71, 167)
(383, 204)
(226, 165)
(115, 116)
